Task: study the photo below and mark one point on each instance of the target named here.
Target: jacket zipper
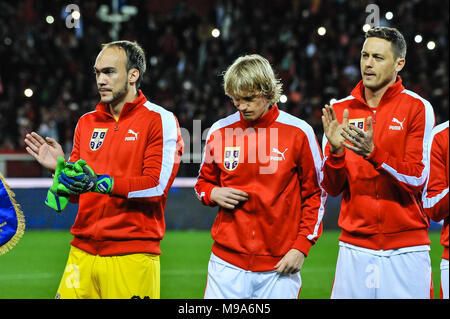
(116, 129)
(252, 216)
(379, 217)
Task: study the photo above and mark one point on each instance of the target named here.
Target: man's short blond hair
(252, 75)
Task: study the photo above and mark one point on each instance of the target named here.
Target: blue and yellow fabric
(12, 221)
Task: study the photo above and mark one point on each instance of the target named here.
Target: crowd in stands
(185, 62)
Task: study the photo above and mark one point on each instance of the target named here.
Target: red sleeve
(161, 162)
(313, 197)
(333, 170)
(409, 171)
(435, 194)
(209, 175)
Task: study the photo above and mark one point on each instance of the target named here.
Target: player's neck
(373, 97)
(116, 108)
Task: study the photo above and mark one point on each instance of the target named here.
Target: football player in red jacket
(435, 194)
(125, 156)
(375, 157)
(261, 167)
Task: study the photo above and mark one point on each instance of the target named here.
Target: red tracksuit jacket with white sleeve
(435, 195)
(381, 205)
(276, 160)
(141, 151)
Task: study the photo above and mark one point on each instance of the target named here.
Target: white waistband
(386, 253)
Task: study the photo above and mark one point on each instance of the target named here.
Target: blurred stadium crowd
(185, 62)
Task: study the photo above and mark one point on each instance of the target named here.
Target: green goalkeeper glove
(79, 178)
(58, 194)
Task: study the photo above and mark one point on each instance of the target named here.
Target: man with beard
(134, 148)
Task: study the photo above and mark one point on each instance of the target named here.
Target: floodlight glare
(49, 19)
(28, 92)
(215, 33)
(321, 31)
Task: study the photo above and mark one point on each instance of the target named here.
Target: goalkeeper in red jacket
(125, 156)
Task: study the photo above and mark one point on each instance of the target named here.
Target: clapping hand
(333, 129)
(338, 134)
(361, 142)
(45, 151)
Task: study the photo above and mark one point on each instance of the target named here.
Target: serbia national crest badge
(231, 157)
(97, 138)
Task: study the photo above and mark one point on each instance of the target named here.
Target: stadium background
(47, 83)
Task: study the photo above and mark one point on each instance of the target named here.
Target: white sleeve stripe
(170, 135)
(325, 158)
(429, 123)
(288, 119)
(430, 202)
(348, 98)
(324, 143)
(411, 180)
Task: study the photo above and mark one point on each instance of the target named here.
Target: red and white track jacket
(435, 194)
(276, 160)
(381, 206)
(141, 151)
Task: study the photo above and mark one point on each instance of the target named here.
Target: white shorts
(390, 274)
(226, 281)
(444, 278)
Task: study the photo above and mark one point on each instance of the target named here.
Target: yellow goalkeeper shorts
(133, 276)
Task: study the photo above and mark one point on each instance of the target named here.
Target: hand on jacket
(361, 142)
(45, 151)
(332, 129)
(227, 197)
(291, 263)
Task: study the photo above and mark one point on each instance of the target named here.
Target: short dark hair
(392, 35)
(135, 56)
